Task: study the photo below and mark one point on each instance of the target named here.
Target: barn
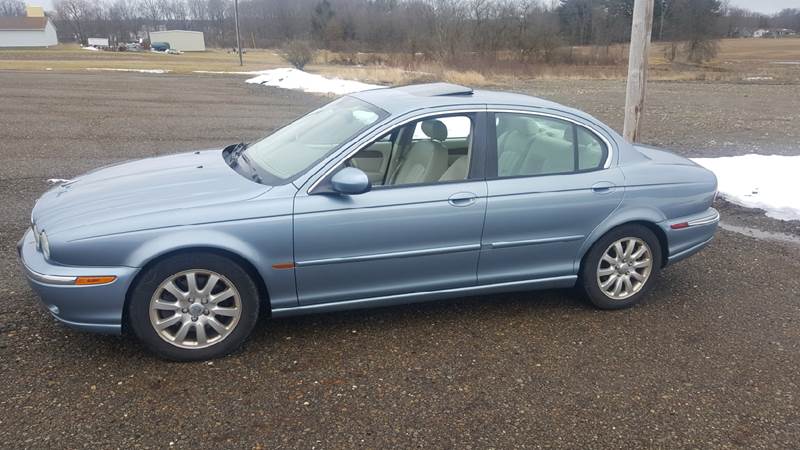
(33, 30)
(185, 41)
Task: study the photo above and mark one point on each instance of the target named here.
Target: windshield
(294, 148)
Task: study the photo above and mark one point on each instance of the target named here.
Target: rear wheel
(194, 306)
(618, 270)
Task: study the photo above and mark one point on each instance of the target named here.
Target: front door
(417, 230)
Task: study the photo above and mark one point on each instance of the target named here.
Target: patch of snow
(288, 78)
(92, 49)
(768, 182)
(790, 63)
(758, 78)
(57, 180)
(130, 70)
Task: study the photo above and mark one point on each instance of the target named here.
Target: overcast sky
(48, 4)
(766, 6)
(762, 6)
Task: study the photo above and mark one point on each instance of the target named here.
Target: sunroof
(436, 89)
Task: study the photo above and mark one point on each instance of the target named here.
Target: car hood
(131, 194)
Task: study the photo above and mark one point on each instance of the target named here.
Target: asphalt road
(711, 359)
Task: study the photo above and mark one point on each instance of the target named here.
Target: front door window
(432, 150)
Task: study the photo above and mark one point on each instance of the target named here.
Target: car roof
(402, 99)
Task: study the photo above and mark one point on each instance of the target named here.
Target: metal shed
(185, 41)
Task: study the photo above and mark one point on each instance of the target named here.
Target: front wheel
(619, 269)
(193, 306)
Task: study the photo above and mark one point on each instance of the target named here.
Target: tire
(195, 324)
(598, 276)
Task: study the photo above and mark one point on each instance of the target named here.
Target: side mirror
(350, 181)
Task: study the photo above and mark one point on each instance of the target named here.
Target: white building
(185, 41)
(34, 30)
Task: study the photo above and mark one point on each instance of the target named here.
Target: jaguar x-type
(381, 197)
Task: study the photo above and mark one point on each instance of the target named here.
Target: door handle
(462, 199)
(603, 187)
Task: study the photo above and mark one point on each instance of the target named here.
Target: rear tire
(193, 306)
(619, 269)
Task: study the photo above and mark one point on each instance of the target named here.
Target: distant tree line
(526, 30)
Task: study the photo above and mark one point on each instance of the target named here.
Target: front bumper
(96, 308)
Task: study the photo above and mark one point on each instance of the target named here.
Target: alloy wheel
(195, 309)
(624, 268)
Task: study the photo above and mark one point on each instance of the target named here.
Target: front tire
(619, 269)
(193, 306)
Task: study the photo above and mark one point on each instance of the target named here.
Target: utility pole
(238, 40)
(637, 67)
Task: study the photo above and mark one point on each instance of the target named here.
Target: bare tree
(77, 14)
(12, 8)
(453, 31)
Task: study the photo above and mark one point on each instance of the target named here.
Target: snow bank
(288, 78)
(130, 70)
(769, 182)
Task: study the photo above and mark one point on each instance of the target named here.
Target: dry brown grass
(748, 60)
(381, 74)
(72, 57)
(738, 60)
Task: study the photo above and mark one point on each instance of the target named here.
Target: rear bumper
(96, 308)
(697, 233)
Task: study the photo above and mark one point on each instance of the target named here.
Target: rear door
(548, 188)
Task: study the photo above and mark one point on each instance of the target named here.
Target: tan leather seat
(457, 170)
(426, 160)
(515, 134)
(549, 155)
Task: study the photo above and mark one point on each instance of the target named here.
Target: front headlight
(45, 244)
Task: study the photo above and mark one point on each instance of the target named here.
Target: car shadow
(419, 314)
(286, 336)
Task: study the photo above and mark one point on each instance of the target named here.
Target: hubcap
(195, 309)
(624, 268)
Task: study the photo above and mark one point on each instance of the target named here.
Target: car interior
(439, 149)
(425, 151)
(536, 145)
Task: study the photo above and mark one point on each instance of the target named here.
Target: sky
(762, 6)
(766, 6)
(47, 4)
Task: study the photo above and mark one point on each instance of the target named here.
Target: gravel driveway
(711, 359)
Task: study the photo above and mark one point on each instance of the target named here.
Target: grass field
(72, 57)
(739, 60)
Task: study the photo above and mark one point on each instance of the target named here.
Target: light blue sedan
(379, 198)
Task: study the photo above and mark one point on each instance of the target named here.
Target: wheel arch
(646, 217)
(247, 265)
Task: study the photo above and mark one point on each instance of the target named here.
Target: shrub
(298, 53)
(699, 50)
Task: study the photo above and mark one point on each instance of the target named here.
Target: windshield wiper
(236, 151)
(253, 173)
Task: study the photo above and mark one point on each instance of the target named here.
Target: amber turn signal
(88, 281)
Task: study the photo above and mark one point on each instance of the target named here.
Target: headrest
(435, 130)
(517, 122)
